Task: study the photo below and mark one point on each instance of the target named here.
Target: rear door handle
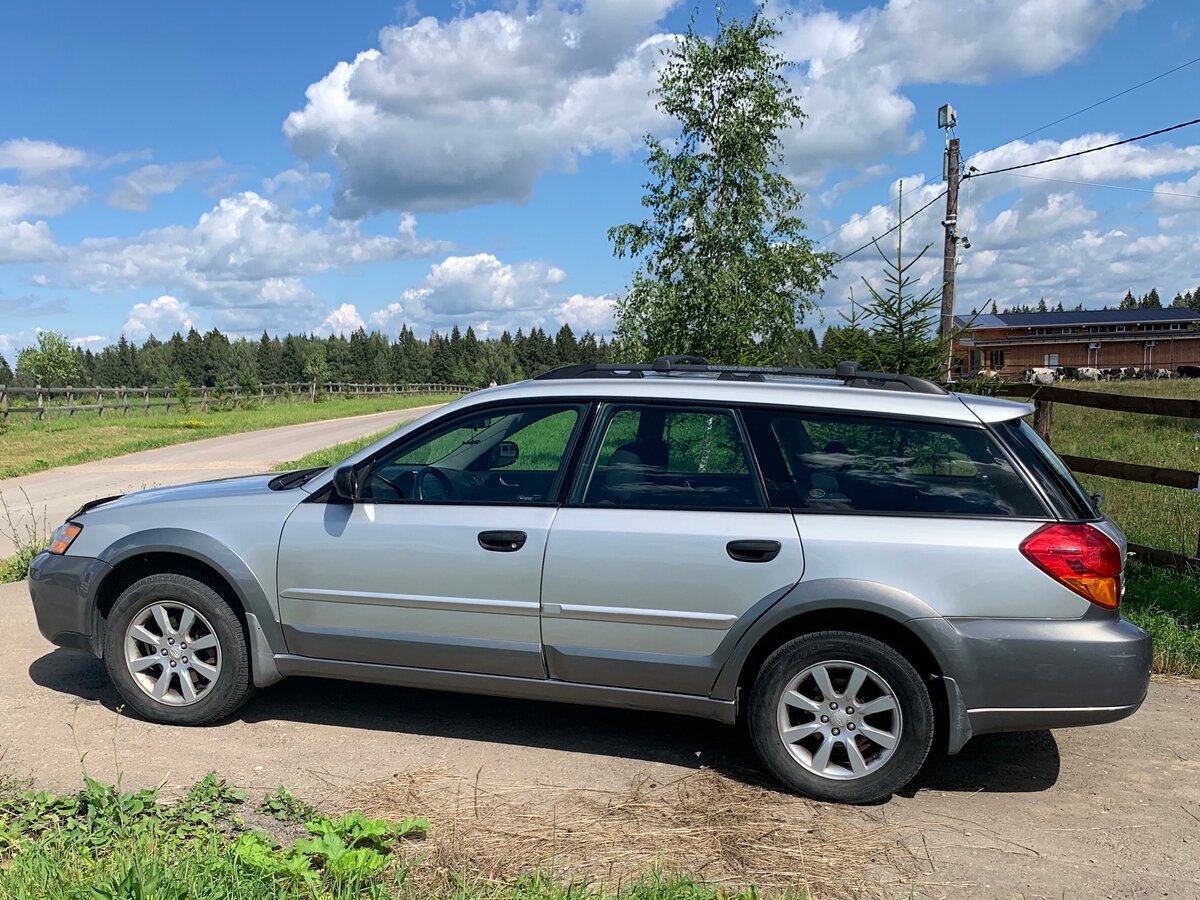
(753, 551)
(502, 541)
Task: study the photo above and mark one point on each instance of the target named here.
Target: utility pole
(947, 119)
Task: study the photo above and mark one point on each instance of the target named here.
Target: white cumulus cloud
(343, 320)
(451, 114)
(37, 158)
(492, 296)
(161, 317)
(246, 254)
(26, 242)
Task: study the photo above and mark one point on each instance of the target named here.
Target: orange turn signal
(63, 536)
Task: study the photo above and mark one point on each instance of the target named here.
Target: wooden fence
(1045, 396)
(43, 402)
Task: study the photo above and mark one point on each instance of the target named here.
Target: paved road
(56, 493)
(1103, 812)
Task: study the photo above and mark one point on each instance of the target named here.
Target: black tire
(232, 685)
(916, 719)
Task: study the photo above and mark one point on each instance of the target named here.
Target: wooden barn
(1105, 338)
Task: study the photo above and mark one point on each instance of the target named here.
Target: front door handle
(502, 541)
(753, 551)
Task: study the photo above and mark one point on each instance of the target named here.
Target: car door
(665, 546)
(437, 563)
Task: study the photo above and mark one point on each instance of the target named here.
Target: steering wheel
(449, 491)
(400, 491)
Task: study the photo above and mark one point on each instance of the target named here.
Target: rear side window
(1049, 469)
(671, 458)
(825, 463)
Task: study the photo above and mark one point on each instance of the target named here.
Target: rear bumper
(1026, 674)
(62, 589)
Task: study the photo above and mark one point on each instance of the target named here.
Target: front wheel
(840, 716)
(176, 651)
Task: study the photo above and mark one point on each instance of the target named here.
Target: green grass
(330, 455)
(105, 844)
(1168, 518)
(29, 446)
(16, 566)
(1167, 604)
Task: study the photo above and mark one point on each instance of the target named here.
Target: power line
(1077, 112)
(1127, 90)
(903, 221)
(1115, 187)
(1042, 162)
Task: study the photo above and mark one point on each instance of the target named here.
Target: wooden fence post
(41, 404)
(1043, 412)
(146, 399)
(3, 404)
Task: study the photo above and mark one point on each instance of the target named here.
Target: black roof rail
(849, 373)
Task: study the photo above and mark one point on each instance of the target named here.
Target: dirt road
(55, 493)
(1092, 812)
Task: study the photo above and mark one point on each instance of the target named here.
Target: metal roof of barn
(1086, 317)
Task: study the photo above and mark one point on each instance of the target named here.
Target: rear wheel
(176, 651)
(840, 716)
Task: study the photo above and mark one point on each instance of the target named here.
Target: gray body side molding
(266, 636)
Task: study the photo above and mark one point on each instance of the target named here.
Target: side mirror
(345, 484)
(504, 454)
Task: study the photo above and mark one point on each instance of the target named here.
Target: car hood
(221, 488)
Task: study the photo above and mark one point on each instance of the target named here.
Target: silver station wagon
(853, 564)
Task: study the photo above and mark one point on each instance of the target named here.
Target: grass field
(330, 455)
(1149, 514)
(30, 446)
(106, 844)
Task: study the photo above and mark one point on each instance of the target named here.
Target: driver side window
(502, 455)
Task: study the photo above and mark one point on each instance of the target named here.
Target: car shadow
(654, 737)
(1015, 763)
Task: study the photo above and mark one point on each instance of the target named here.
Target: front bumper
(1027, 674)
(62, 589)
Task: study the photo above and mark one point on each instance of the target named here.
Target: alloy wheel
(172, 653)
(839, 720)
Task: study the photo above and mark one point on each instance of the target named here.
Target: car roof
(814, 393)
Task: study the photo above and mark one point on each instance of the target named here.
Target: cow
(990, 375)
(1039, 375)
(1159, 374)
(1088, 373)
(1189, 371)
(1069, 373)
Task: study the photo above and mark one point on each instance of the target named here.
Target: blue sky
(306, 166)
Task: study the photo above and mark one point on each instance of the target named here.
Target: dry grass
(716, 829)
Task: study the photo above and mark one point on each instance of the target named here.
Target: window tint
(673, 458)
(506, 455)
(847, 464)
(1049, 469)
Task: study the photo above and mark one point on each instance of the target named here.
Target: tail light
(1080, 557)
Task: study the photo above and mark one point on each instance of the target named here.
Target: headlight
(64, 536)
